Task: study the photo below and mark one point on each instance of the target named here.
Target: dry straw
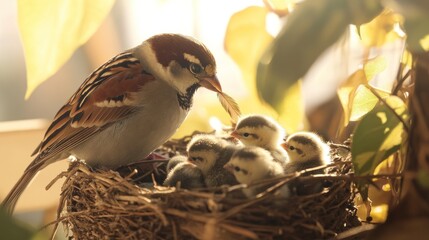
(105, 204)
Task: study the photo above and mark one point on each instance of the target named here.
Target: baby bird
(174, 161)
(189, 176)
(306, 150)
(262, 131)
(210, 154)
(252, 164)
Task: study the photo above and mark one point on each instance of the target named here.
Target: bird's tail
(12, 197)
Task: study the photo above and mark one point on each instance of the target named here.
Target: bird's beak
(235, 134)
(228, 167)
(211, 83)
(284, 146)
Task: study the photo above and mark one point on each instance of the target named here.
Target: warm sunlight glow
(215, 123)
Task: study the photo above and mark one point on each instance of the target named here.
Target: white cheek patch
(191, 58)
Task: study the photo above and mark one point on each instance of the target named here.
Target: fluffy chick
(251, 164)
(210, 154)
(262, 131)
(174, 161)
(306, 150)
(187, 174)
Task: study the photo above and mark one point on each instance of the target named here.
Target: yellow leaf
(381, 29)
(347, 90)
(379, 213)
(407, 59)
(246, 39)
(293, 111)
(51, 30)
(374, 66)
(282, 4)
(424, 42)
(364, 101)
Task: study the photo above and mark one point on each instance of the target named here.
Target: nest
(130, 204)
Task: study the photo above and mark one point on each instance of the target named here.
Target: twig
(400, 82)
(356, 232)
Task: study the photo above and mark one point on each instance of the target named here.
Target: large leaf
(374, 66)
(245, 40)
(381, 29)
(364, 101)
(417, 33)
(363, 11)
(12, 229)
(347, 91)
(310, 29)
(51, 30)
(376, 137)
(416, 22)
(293, 110)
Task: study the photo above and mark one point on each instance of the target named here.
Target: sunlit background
(129, 23)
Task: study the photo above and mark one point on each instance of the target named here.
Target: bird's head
(204, 151)
(250, 164)
(303, 146)
(259, 130)
(183, 62)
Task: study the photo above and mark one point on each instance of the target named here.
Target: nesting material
(105, 204)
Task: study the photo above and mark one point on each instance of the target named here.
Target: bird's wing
(108, 95)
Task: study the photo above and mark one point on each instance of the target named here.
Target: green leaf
(245, 40)
(346, 92)
(363, 11)
(416, 22)
(423, 178)
(310, 29)
(381, 30)
(374, 66)
(51, 30)
(12, 229)
(364, 101)
(377, 136)
(417, 33)
(293, 116)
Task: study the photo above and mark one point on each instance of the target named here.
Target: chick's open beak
(228, 167)
(235, 134)
(211, 83)
(284, 146)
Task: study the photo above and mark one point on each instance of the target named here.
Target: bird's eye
(292, 148)
(195, 68)
(195, 159)
(237, 169)
(246, 134)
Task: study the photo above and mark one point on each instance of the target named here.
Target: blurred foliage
(353, 98)
(51, 30)
(381, 29)
(12, 229)
(245, 40)
(378, 135)
(381, 119)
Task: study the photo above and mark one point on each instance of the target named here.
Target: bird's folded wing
(108, 95)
